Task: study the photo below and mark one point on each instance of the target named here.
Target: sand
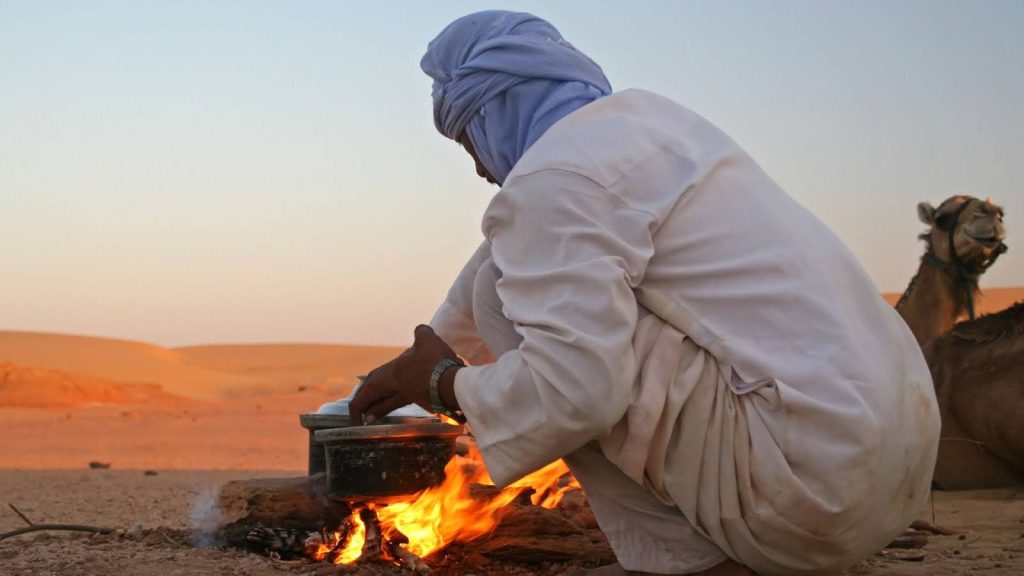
(202, 372)
(152, 516)
(199, 416)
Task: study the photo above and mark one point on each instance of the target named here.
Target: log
(372, 546)
(298, 503)
(535, 534)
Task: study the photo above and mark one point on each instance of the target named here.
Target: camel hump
(992, 327)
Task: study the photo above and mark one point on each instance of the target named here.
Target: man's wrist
(438, 403)
(446, 387)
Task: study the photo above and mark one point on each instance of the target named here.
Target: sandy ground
(151, 514)
(200, 416)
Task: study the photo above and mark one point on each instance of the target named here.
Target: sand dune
(204, 372)
(31, 387)
(309, 366)
(992, 299)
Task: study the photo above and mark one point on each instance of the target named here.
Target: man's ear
(926, 213)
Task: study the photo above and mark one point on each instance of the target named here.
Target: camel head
(970, 227)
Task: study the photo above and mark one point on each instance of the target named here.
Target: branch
(67, 527)
(18, 512)
(925, 526)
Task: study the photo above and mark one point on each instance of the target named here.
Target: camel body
(978, 370)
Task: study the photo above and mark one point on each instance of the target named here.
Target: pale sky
(215, 171)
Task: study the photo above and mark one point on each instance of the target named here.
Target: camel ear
(926, 213)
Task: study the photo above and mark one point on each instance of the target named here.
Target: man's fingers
(364, 398)
(423, 337)
(385, 406)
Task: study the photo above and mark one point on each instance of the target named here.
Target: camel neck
(936, 299)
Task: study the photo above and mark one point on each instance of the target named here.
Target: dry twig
(926, 526)
(65, 527)
(18, 512)
(33, 527)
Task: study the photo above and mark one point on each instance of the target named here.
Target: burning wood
(372, 545)
(359, 540)
(344, 537)
(282, 542)
(406, 558)
(465, 507)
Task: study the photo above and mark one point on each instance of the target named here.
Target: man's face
(480, 170)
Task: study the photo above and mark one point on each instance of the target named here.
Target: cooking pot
(386, 460)
(314, 422)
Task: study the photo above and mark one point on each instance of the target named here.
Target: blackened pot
(314, 422)
(379, 461)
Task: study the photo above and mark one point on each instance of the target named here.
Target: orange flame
(545, 482)
(351, 550)
(447, 512)
(450, 512)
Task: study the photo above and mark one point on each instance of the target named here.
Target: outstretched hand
(402, 381)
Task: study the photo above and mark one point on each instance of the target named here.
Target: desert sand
(991, 300)
(199, 416)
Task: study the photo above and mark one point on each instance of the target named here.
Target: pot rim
(414, 430)
(322, 421)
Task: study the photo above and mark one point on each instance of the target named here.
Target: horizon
(256, 172)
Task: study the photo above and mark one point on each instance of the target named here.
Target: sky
(186, 172)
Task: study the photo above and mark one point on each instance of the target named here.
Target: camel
(978, 370)
(965, 238)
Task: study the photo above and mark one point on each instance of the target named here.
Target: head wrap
(506, 77)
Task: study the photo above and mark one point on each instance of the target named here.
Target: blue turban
(506, 77)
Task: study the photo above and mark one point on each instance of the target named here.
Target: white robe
(773, 396)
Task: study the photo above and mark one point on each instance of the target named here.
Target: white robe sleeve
(570, 253)
(453, 321)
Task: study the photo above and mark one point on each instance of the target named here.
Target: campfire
(406, 530)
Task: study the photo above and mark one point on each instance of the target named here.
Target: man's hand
(404, 380)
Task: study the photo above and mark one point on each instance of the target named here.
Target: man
(713, 364)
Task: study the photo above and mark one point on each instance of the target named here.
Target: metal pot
(314, 422)
(378, 461)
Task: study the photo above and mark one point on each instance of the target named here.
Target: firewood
(406, 558)
(284, 542)
(346, 531)
(535, 534)
(297, 503)
(372, 545)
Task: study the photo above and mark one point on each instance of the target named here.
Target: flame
(350, 552)
(447, 512)
(545, 482)
(451, 512)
